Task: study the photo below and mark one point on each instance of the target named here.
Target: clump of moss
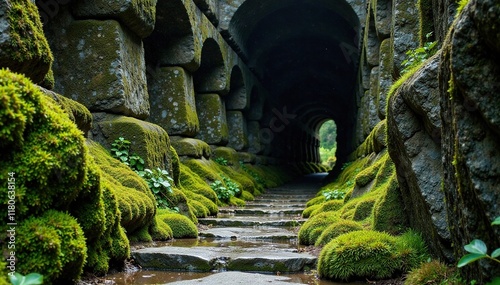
(336, 229)
(52, 245)
(312, 228)
(181, 226)
(309, 210)
(160, 230)
(235, 201)
(316, 200)
(433, 273)
(247, 196)
(189, 180)
(363, 209)
(332, 205)
(359, 254)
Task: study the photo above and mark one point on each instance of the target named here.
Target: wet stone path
(257, 243)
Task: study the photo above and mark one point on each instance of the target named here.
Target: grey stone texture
(212, 117)
(405, 26)
(102, 66)
(237, 127)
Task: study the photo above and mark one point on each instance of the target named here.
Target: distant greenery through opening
(328, 143)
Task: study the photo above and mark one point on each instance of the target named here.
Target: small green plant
(160, 184)
(120, 149)
(30, 279)
(333, 194)
(254, 174)
(222, 192)
(477, 250)
(416, 56)
(231, 185)
(221, 160)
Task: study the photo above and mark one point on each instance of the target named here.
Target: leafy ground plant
(30, 279)
(415, 57)
(221, 160)
(333, 194)
(120, 149)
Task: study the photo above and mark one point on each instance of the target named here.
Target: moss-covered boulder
(336, 229)
(190, 147)
(181, 226)
(212, 116)
(138, 15)
(172, 99)
(149, 141)
(192, 182)
(313, 228)
(52, 245)
(332, 205)
(23, 46)
(102, 66)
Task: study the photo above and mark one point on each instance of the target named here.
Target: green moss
(27, 50)
(400, 81)
(247, 196)
(49, 80)
(181, 226)
(309, 210)
(433, 273)
(160, 230)
(426, 19)
(336, 229)
(206, 169)
(312, 228)
(141, 235)
(235, 201)
(363, 209)
(199, 210)
(388, 212)
(243, 179)
(176, 165)
(207, 203)
(227, 153)
(316, 200)
(52, 245)
(191, 181)
(3, 273)
(367, 175)
(332, 205)
(461, 5)
(412, 250)
(359, 254)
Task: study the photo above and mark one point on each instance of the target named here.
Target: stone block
(405, 30)
(382, 9)
(102, 66)
(23, 46)
(172, 100)
(138, 15)
(212, 117)
(253, 130)
(372, 45)
(237, 99)
(190, 147)
(210, 8)
(149, 141)
(247, 157)
(237, 127)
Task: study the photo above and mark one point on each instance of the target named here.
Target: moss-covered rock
(309, 210)
(363, 209)
(332, 205)
(173, 101)
(52, 245)
(312, 228)
(77, 113)
(160, 230)
(181, 226)
(23, 46)
(336, 229)
(237, 127)
(137, 15)
(191, 147)
(359, 254)
(195, 183)
(149, 141)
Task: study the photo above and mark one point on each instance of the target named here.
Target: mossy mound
(432, 273)
(316, 200)
(308, 211)
(235, 201)
(54, 171)
(336, 229)
(181, 226)
(191, 181)
(160, 230)
(332, 205)
(52, 245)
(359, 255)
(210, 206)
(247, 196)
(312, 228)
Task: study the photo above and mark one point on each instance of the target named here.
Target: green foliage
(417, 56)
(432, 273)
(160, 183)
(478, 250)
(232, 187)
(225, 190)
(53, 245)
(328, 135)
(221, 160)
(412, 250)
(332, 205)
(461, 5)
(331, 194)
(120, 150)
(258, 178)
(30, 279)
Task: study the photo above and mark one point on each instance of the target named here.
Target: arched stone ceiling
(305, 53)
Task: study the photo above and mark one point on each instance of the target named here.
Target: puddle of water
(147, 277)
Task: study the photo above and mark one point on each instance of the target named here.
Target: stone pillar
(237, 126)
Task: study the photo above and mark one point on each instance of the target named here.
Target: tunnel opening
(306, 54)
(328, 143)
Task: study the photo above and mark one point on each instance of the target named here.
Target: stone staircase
(260, 237)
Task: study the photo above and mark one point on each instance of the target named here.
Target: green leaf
(468, 258)
(476, 246)
(496, 222)
(33, 279)
(496, 253)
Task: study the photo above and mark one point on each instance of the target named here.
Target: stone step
(252, 234)
(252, 204)
(277, 201)
(249, 221)
(284, 196)
(233, 278)
(262, 212)
(208, 259)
